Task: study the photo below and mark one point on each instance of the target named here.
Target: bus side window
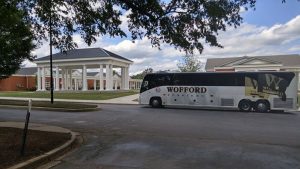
(162, 80)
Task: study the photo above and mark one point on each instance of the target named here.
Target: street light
(51, 68)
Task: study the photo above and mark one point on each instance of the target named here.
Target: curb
(36, 161)
(121, 103)
(69, 100)
(52, 109)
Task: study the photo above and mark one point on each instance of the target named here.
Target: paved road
(132, 137)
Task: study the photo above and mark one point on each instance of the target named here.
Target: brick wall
(15, 83)
(90, 83)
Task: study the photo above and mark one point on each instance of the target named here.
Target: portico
(70, 70)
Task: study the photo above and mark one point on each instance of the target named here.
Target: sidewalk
(132, 99)
(119, 100)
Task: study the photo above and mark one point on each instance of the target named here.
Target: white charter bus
(247, 91)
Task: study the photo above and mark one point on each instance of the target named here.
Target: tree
(190, 63)
(15, 38)
(183, 24)
(143, 74)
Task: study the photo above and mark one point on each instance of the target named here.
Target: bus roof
(273, 72)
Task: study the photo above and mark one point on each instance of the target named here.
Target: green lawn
(70, 95)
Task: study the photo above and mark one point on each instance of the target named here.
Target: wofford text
(187, 89)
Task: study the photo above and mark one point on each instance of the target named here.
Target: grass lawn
(68, 95)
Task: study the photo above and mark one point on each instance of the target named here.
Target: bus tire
(262, 106)
(155, 102)
(245, 105)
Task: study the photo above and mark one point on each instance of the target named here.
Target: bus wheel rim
(245, 106)
(155, 102)
(261, 106)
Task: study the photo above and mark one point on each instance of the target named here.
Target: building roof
(286, 60)
(83, 53)
(27, 71)
(92, 73)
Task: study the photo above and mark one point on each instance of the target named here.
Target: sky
(272, 28)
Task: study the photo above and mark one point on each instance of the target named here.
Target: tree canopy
(143, 74)
(15, 38)
(185, 24)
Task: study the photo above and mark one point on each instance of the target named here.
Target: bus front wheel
(262, 106)
(155, 102)
(245, 105)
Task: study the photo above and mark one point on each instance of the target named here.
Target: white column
(57, 79)
(95, 84)
(111, 77)
(75, 84)
(67, 79)
(116, 85)
(108, 77)
(84, 80)
(62, 79)
(43, 79)
(101, 78)
(71, 80)
(122, 78)
(39, 87)
(67, 87)
(126, 78)
(54, 83)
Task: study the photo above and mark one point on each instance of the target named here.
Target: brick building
(24, 79)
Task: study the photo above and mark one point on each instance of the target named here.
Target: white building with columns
(71, 69)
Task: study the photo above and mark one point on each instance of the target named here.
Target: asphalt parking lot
(128, 136)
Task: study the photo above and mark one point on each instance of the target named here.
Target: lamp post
(51, 67)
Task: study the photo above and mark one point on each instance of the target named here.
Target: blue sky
(273, 28)
(270, 12)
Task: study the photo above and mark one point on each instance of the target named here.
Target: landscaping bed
(89, 95)
(38, 143)
(58, 105)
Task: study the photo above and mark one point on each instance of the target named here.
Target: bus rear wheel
(155, 102)
(262, 106)
(245, 105)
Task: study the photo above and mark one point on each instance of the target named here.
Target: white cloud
(256, 40)
(295, 48)
(145, 56)
(27, 63)
(124, 19)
